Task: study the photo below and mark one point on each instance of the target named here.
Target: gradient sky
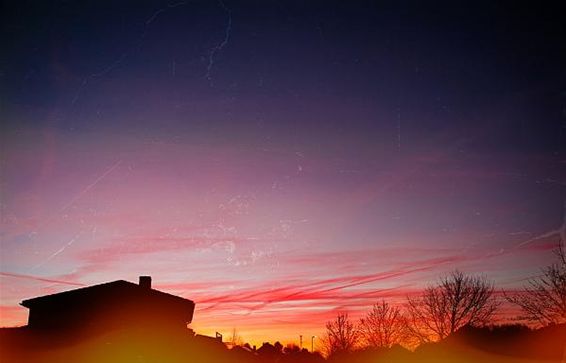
(278, 161)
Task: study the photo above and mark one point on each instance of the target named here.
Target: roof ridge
(33, 300)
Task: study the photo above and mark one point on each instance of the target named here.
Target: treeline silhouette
(454, 319)
(451, 321)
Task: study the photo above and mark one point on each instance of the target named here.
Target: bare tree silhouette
(543, 301)
(342, 336)
(457, 300)
(383, 326)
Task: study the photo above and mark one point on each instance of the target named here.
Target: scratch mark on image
(159, 11)
(220, 45)
(399, 129)
(86, 80)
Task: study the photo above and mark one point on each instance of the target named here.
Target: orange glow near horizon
(280, 314)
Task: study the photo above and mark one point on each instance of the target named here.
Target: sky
(278, 162)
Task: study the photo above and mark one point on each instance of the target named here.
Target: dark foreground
(502, 344)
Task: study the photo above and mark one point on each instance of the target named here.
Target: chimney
(145, 282)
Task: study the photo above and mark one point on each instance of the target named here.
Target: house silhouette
(112, 305)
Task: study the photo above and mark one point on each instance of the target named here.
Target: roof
(105, 290)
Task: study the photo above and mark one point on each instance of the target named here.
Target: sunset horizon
(280, 163)
(285, 313)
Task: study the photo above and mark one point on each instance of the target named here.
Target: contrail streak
(56, 253)
(42, 279)
(561, 231)
(73, 201)
(90, 186)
